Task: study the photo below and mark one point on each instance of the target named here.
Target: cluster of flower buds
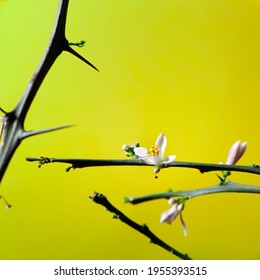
(129, 149)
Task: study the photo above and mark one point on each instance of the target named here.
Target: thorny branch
(12, 132)
(202, 167)
(143, 229)
(13, 121)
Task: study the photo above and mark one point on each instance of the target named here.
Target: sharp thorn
(70, 50)
(37, 132)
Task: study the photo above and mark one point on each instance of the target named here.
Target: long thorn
(70, 50)
(36, 132)
(3, 111)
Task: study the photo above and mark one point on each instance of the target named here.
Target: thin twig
(227, 187)
(143, 229)
(2, 110)
(7, 205)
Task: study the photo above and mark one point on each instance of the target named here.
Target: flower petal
(161, 142)
(147, 160)
(143, 156)
(141, 152)
(185, 231)
(169, 159)
(242, 149)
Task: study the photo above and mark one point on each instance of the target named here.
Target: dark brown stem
(143, 229)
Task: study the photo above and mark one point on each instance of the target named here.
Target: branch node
(42, 161)
(79, 44)
(114, 216)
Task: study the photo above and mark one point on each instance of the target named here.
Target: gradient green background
(189, 69)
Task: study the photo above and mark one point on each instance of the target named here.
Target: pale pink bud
(172, 200)
(169, 215)
(236, 152)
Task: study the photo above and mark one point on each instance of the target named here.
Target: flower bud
(236, 152)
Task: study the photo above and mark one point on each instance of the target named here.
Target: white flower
(170, 215)
(236, 152)
(154, 155)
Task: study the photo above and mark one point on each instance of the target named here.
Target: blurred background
(189, 69)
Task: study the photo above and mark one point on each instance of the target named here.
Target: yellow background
(189, 69)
